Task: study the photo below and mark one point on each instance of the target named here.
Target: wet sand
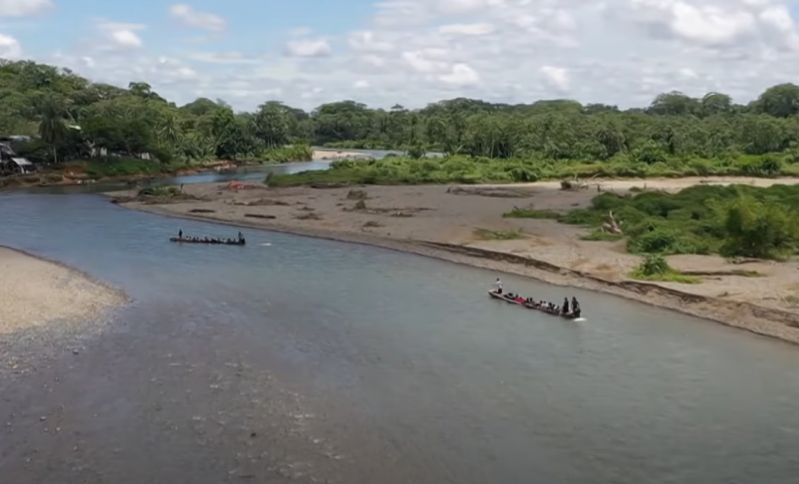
(35, 292)
(445, 222)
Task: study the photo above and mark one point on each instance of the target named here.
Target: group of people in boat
(570, 308)
(210, 240)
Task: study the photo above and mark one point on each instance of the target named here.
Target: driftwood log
(611, 226)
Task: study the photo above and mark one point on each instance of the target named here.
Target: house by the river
(10, 163)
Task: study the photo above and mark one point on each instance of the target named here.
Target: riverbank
(323, 154)
(464, 224)
(35, 292)
(78, 174)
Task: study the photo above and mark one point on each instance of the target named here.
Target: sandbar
(35, 292)
(443, 222)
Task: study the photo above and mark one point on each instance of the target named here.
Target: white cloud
(426, 61)
(558, 77)
(120, 36)
(466, 29)
(24, 8)
(227, 57)
(308, 48)
(9, 47)
(461, 75)
(461, 6)
(174, 70)
(366, 41)
(413, 52)
(194, 19)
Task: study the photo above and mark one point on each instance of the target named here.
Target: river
(297, 359)
(246, 173)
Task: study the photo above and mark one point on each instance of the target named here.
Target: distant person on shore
(498, 286)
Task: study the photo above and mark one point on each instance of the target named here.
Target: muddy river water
(303, 360)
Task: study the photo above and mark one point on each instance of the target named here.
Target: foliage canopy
(76, 118)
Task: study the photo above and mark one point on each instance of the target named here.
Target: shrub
(733, 220)
(286, 154)
(646, 161)
(654, 267)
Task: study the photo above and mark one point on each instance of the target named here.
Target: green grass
(736, 220)
(666, 277)
(532, 213)
(164, 191)
(402, 170)
(654, 268)
(364, 144)
(118, 167)
(112, 167)
(598, 235)
(485, 234)
(124, 167)
(286, 154)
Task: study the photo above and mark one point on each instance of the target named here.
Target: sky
(414, 52)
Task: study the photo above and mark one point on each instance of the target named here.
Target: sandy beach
(35, 292)
(445, 222)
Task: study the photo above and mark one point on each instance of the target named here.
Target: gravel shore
(35, 292)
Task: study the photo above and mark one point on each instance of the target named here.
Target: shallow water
(357, 364)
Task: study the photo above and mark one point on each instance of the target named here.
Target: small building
(11, 164)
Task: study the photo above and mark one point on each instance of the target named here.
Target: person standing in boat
(565, 305)
(241, 237)
(498, 286)
(180, 233)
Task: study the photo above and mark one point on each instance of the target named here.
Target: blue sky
(251, 25)
(414, 52)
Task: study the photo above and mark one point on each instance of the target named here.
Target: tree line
(74, 118)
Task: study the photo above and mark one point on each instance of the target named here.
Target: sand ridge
(321, 154)
(442, 221)
(35, 292)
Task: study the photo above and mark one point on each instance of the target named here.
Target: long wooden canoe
(184, 240)
(502, 297)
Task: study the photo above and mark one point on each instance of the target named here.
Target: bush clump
(654, 267)
(734, 221)
(286, 154)
(462, 169)
(164, 191)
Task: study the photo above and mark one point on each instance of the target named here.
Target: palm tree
(53, 110)
(169, 130)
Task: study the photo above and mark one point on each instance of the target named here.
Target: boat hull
(569, 316)
(210, 242)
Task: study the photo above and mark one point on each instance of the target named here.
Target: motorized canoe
(185, 240)
(502, 297)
